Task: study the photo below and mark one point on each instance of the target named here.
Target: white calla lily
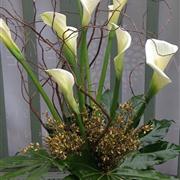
(67, 33)
(158, 55)
(114, 11)
(5, 37)
(123, 42)
(65, 81)
(88, 8)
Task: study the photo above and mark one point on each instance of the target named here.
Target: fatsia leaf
(39, 172)
(19, 172)
(132, 174)
(151, 155)
(160, 130)
(70, 177)
(33, 165)
(16, 162)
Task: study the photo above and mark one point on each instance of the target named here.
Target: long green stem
(151, 93)
(105, 65)
(80, 9)
(115, 98)
(84, 62)
(27, 68)
(72, 62)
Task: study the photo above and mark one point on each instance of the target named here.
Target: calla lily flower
(158, 55)
(65, 81)
(115, 10)
(123, 42)
(5, 37)
(88, 8)
(67, 33)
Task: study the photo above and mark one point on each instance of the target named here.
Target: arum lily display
(65, 81)
(66, 33)
(115, 11)
(96, 136)
(123, 43)
(88, 8)
(158, 56)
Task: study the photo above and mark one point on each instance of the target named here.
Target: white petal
(66, 33)
(64, 78)
(123, 41)
(65, 81)
(5, 37)
(115, 11)
(88, 8)
(158, 55)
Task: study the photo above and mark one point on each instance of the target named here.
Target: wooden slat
(151, 32)
(3, 130)
(31, 56)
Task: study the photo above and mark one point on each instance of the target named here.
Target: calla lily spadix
(158, 55)
(67, 33)
(65, 81)
(115, 11)
(123, 42)
(88, 8)
(5, 37)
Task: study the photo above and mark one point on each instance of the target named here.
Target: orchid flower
(158, 55)
(123, 42)
(65, 81)
(114, 11)
(67, 33)
(88, 8)
(5, 37)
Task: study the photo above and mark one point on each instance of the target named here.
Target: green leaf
(138, 103)
(39, 172)
(160, 129)
(16, 162)
(33, 164)
(70, 177)
(19, 172)
(106, 99)
(132, 174)
(151, 155)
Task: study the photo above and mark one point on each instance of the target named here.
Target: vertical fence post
(3, 130)
(31, 56)
(151, 32)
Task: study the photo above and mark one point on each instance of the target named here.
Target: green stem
(84, 63)
(27, 68)
(81, 125)
(80, 9)
(151, 93)
(115, 98)
(105, 65)
(72, 62)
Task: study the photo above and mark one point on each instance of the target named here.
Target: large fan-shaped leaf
(32, 165)
(151, 155)
(160, 129)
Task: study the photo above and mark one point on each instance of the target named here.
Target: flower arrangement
(100, 138)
